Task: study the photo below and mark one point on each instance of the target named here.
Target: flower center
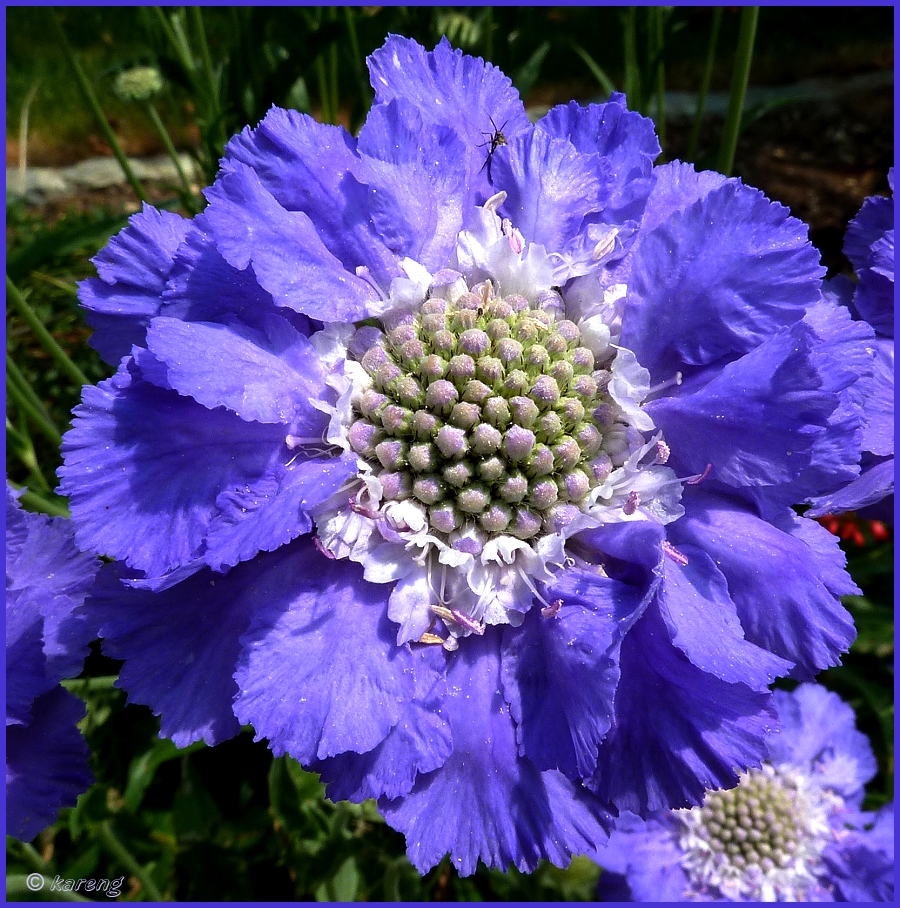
(488, 413)
(759, 840)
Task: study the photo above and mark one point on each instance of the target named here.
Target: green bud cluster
(757, 823)
(487, 412)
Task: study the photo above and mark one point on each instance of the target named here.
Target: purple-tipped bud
(491, 469)
(428, 489)
(589, 438)
(556, 345)
(433, 305)
(469, 300)
(582, 359)
(526, 524)
(541, 461)
(396, 486)
(496, 412)
(562, 371)
(363, 437)
(585, 386)
(569, 330)
(461, 368)
(566, 452)
(422, 457)
(539, 315)
(485, 438)
(525, 411)
(425, 424)
(412, 351)
(601, 467)
(575, 485)
(509, 349)
(441, 396)
(473, 500)
(474, 341)
(396, 420)
(549, 426)
(496, 518)
(514, 489)
(489, 369)
(476, 392)
(444, 518)
(451, 441)
(518, 443)
(457, 475)
(516, 302)
(401, 334)
(544, 493)
(443, 341)
(545, 390)
(604, 415)
(550, 301)
(432, 367)
(433, 323)
(559, 517)
(499, 308)
(392, 454)
(409, 391)
(373, 358)
(372, 403)
(464, 319)
(572, 409)
(386, 375)
(497, 329)
(464, 415)
(537, 356)
(516, 382)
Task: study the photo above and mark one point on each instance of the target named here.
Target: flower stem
(121, 853)
(27, 401)
(43, 335)
(187, 195)
(55, 506)
(83, 685)
(94, 104)
(743, 59)
(705, 82)
(18, 890)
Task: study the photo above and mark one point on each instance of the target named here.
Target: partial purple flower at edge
(47, 638)
(790, 831)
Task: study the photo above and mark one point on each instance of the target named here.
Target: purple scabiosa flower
(869, 245)
(791, 830)
(47, 638)
(400, 462)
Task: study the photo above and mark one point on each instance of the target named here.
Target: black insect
(495, 140)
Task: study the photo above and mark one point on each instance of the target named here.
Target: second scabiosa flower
(469, 487)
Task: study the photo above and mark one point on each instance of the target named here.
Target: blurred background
(814, 130)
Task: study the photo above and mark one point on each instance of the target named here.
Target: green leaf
(142, 769)
(343, 885)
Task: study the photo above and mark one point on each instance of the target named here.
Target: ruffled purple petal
(715, 278)
(878, 432)
(180, 645)
(642, 862)
(284, 248)
(452, 89)
(26, 678)
(560, 674)
(861, 862)
(626, 143)
(486, 802)
(133, 270)
(46, 764)
(308, 167)
(419, 743)
(320, 672)
(772, 421)
(703, 623)
(874, 485)
(819, 731)
(874, 299)
(144, 467)
(784, 576)
(550, 187)
(416, 183)
(45, 572)
(678, 730)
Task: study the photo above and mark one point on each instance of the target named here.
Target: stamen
(668, 383)
(673, 553)
(630, 506)
(318, 544)
(694, 480)
(552, 610)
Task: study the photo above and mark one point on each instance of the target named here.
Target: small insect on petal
(552, 610)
